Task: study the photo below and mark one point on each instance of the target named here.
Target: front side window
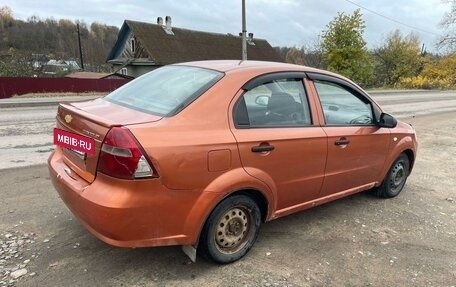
(281, 102)
(342, 107)
(165, 91)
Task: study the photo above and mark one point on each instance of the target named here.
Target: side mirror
(387, 121)
(262, 100)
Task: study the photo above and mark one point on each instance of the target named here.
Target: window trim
(240, 104)
(345, 84)
(269, 77)
(263, 79)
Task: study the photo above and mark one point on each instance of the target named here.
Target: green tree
(344, 49)
(400, 57)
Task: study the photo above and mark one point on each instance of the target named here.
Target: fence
(10, 86)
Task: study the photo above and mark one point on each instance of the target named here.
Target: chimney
(250, 39)
(160, 21)
(167, 26)
(168, 22)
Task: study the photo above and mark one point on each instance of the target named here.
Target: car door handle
(262, 148)
(342, 141)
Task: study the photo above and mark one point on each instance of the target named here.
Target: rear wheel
(231, 229)
(395, 180)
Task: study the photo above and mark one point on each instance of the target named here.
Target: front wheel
(231, 229)
(395, 180)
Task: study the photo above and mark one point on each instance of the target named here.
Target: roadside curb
(40, 102)
(406, 91)
(28, 104)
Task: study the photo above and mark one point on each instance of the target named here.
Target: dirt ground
(357, 241)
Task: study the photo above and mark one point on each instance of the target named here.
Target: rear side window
(165, 91)
(281, 102)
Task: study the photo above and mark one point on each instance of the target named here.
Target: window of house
(133, 45)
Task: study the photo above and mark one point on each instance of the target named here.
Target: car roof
(258, 67)
(231, 65)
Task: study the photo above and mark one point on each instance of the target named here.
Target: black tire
(395, 179)
(231, 229)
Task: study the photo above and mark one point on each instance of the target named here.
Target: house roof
(188, 45)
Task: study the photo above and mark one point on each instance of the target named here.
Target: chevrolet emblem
(68, 119)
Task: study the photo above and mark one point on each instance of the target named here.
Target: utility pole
(244, 33)
(80, 48)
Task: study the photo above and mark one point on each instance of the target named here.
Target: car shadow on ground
(80, 251)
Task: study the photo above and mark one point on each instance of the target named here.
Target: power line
(393, 20)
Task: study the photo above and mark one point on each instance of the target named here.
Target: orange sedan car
(200, 154)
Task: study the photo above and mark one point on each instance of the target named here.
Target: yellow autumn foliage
(439, 74)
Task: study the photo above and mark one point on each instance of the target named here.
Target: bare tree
(448, 23)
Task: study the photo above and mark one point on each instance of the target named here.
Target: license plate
(77, 143)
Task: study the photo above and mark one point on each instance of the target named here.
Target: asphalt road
(26, 135)
(410, 104)
(26, 132)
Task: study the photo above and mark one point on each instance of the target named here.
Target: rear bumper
(129, 213)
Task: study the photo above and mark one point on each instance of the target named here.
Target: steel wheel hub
(398, 175)
(232, 229)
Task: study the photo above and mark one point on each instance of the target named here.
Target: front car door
(357, 146)
(277, 139)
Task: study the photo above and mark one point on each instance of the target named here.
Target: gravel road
(356, 241)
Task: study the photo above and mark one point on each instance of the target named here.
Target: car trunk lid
(94, 119)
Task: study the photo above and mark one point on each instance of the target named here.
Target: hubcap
(232, 230)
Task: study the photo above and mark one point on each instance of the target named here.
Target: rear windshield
(165, 91)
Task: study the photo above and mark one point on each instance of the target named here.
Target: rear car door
(357, 146)
(277, 139)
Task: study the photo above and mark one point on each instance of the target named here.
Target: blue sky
(281, 22)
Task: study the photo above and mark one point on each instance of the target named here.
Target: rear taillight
(121, 156)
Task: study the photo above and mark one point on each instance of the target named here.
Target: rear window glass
(165, 91)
